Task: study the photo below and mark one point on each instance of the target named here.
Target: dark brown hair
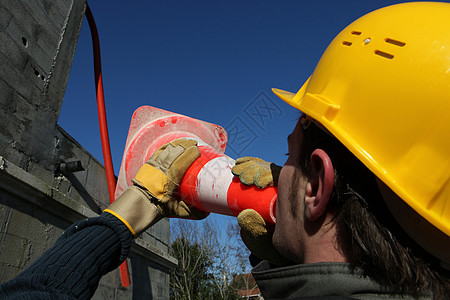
(367, 232)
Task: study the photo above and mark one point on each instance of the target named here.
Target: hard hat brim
(293, 99)
(286, 96)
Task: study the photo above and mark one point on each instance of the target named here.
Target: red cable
(110, 177)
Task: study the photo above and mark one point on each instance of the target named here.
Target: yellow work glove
(155, 186)
(257, 236)
(161, 176)
(253, 170)
(255, 232)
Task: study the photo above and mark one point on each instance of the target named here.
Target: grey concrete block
(40, 28)
(141, 277)
(15, 156)
(5, 18)
(104, 291)
(51, 11)
(13, 203)
(22, 223)
(88, 186)
(126, 294)
(17, 57)
(5, 212)
(62, 62)
(23, 38)
(110, 287)
(150, 279)
(161, 246)
(28, 221)
(60, 7)
(161, 232)
(14, 107)
(15, 250)
(33, 245)
(11, 125)
(96, 183)
(8, 272)
(41, 169)
(24, 82)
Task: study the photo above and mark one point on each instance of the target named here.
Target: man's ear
(320, 187)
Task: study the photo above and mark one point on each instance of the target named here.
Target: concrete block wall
(37, 201)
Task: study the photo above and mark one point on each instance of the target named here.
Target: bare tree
(210, 255)
(190, 280)
(231, 260)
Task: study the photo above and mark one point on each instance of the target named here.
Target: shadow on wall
(141, 281)
(83, 193)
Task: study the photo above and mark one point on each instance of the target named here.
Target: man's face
(289, 231)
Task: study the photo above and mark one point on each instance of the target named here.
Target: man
(362, 209)
(363, 205)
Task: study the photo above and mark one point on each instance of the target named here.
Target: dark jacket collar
(316, 280)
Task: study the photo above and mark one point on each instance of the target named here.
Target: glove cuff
(135, 210)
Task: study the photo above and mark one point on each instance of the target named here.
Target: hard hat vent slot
(384, 54)
(356, 32)
(346, 43)
(395, 42)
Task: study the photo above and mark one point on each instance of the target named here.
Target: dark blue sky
(211, 60)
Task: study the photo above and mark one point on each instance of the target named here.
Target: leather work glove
(154, 191)
(255, 233)
(257, 236)
(253, 170)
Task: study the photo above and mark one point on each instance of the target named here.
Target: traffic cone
(208, 184)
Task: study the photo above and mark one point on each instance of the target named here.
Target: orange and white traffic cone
(208, 184)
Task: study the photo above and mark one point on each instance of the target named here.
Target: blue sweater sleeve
(72, 268)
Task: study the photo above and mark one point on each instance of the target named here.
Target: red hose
(110, 177)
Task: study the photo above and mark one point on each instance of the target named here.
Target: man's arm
(72, 268)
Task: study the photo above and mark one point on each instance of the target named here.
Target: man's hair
(367, 233)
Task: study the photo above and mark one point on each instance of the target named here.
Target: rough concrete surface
(37, 201)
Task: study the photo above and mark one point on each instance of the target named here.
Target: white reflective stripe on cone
(213, 181)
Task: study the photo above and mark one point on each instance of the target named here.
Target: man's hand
(155, 186)
(253, 170)
(257, 236)
(161, 176)
(255, 233)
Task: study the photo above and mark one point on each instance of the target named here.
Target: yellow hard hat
(382, 88)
